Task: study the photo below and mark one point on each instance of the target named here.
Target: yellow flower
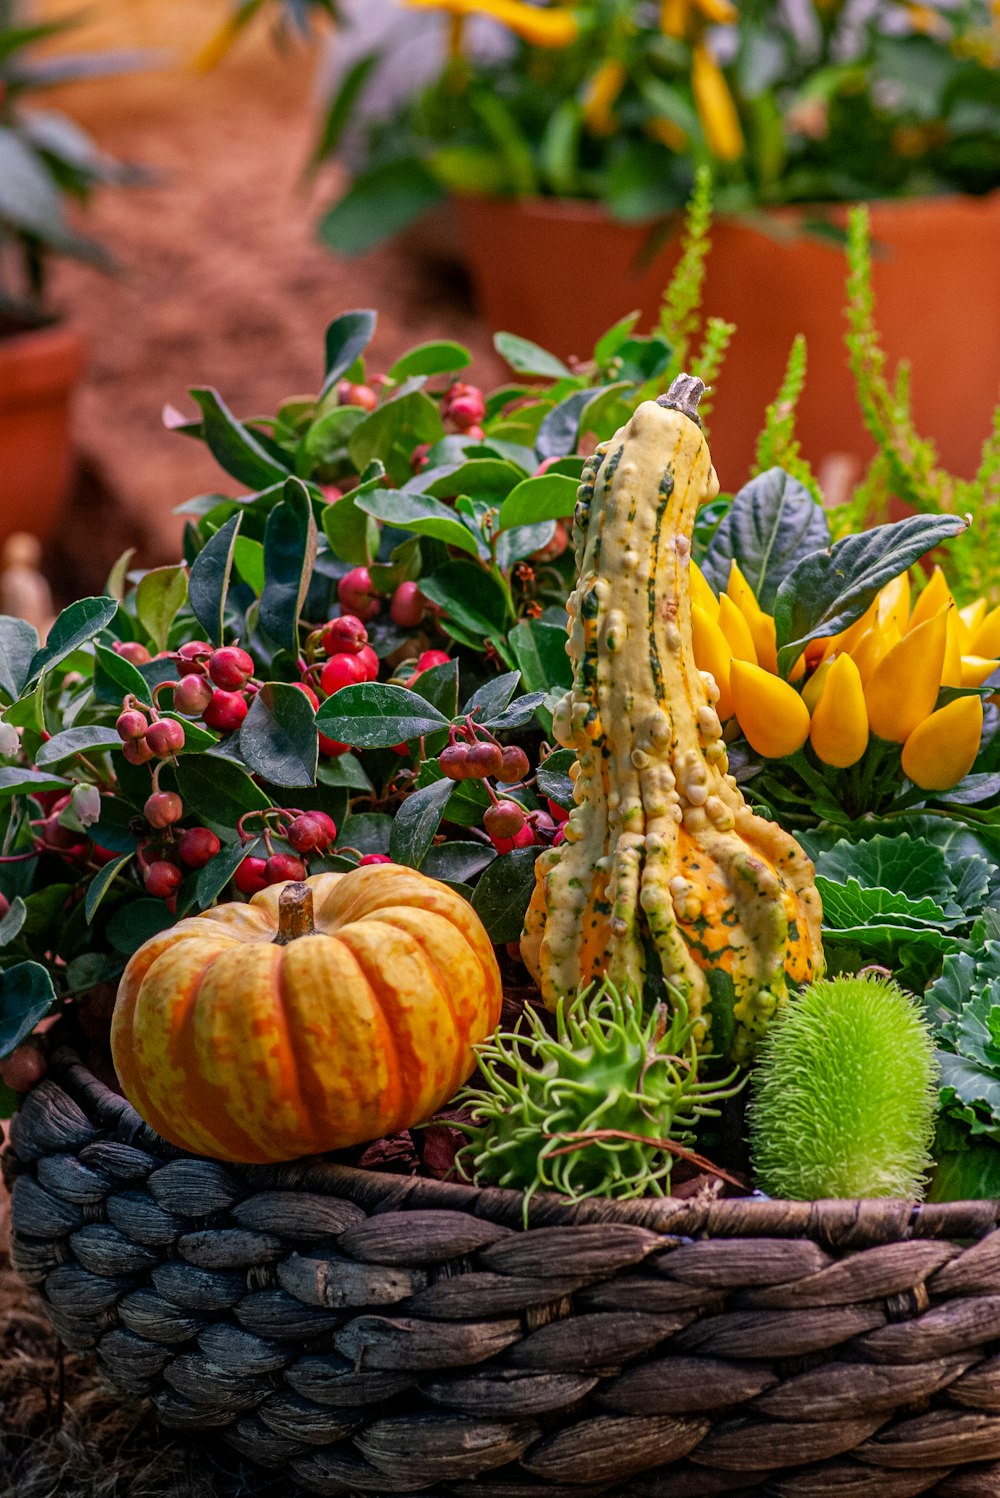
(771, 714)
(839, 728)
(714, 102)
(903, 688)
(942, 749)
(736, 630)
(541, 28)
(600, 93)
(712, 654)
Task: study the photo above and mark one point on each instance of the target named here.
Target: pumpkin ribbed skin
(664, 873)
(232, 1045)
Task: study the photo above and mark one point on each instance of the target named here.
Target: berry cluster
(305, 832)
(463, 408)
(469, 756)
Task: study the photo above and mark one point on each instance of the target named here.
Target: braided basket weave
(379, 1334)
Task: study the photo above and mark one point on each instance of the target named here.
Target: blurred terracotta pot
(561, 273)
(38, 371)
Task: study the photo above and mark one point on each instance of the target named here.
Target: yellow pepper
(839, 728)
(667, 132)
(903, 688)
(951, 671)
(935, 596)
(975, 670)
(600, 93)
(870, 649)
(894, 603)
(736, 630)
(985, 638)
(942, 749)
(813, 689)
(972, 617)
(540, 28)
(712, 654)
(771, 714)
(761, 625)
(715, 106)
(701, 592)
(675, 15)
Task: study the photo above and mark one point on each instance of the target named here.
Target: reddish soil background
(223, 281)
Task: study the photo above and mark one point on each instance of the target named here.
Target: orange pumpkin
(317, 1016)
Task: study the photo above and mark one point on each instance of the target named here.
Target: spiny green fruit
(844, 1094)
(610, 1068)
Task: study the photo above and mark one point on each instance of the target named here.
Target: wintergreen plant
(844, 1095)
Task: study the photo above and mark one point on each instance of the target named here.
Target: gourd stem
(684, 394)
(295, 913)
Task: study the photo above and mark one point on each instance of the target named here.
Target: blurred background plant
(618, 101)
(46, 160)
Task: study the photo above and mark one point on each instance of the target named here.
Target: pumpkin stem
(684, 394)
(295, 913)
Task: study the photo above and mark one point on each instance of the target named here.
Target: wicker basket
(378, 1334)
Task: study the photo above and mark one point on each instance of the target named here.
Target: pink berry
(131, 650)
(546, 464)
(165, 737)
(137, 752)
(369, 660)
(162, 879)
(543, 825)
(560, 836)
(198, 846)
(419, 458)
(367, 858)
(514, 765)
(225, 712)
(230, 668)
(4, 904)
(559, 813)
(465, 405)
(356, 395)
(251, 876)
(331, 493)
(305, 688)
(131, 725)
(431, 658)
(475, 434)
(407, 607)
(504, 819)
(357, 595)
(23, 1068)
(328, 826)
(189, 656)
(522, 839)
(484, 760)
(345, 634)
(332, 748)
(341, 671)
(163, 809)
(282, 866)
(192, 694)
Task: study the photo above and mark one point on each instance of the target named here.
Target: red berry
(341, 671)
(543, 824)
(431, 658)
(304, 686)
(328, 825)
(546, 464)
(419, 458)
(131, 650)
(163, 809)
(407, 607)
(522, 839)
(514, 765)
(225, 712)
(192, 694)
(131, 725)
(162, 879)
(464, 405)
(346, 633)
(475, 434)
(357, 595)
(504, 819)
(198, 846)
(230, 668)
(559, 813)
(560, 836)
(554, 548)
(369, 660)
(331, 493)
(4, 904)
(349, 394)
(56, 836)
(23, 1068)
(282, 866)
(137, 752)
(367, 858)
(305, 834)
(251, 876)
(332, 748)
(484, 759)
(189, 656)
(165, 737)
(403, 750)
(99, 855)
(454, 762)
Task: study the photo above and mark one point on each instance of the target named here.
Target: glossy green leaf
(136, 922)
(81, 622)
(15, 781)
(102, 882)
(217, 789)
(346, 339)
(440, 357)
(158, 598)
(493, 696)
(503, 893)
(209, 582)
(352, 533)
(115, 678)
(771, 525)
(11, 921)
(456, 862)
(416, 822)
(392, 431)
(528, 358)
(278, 738)
(91, 736)
(540, 652)
(367, 832)
(549, 496)
(216, 874)
(290, 544)
(470, 596)
(233, 445)
(18, 647)
(376, 715)
(420, 514)
(26, 996)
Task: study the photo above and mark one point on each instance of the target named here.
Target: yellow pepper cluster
(880, 678)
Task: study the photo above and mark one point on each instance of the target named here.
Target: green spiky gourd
(609, 1068)
(666, 881)
(844, 1094)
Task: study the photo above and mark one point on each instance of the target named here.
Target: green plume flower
(628, 1078)
(844, 1094)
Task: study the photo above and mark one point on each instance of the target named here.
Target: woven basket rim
(834, 1223)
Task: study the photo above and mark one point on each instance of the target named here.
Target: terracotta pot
(38, 371)
(560, 273)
